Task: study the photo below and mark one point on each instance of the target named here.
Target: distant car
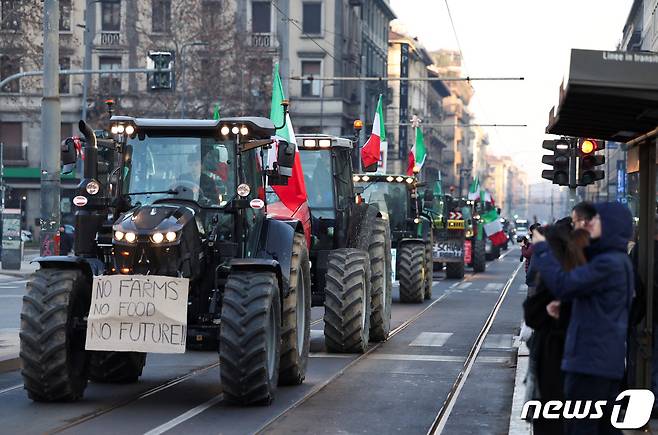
(521, 228)
(26, 236)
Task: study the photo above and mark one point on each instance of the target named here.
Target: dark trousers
(586, 387)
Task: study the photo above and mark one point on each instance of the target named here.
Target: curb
(15, 273)
(10, 363)
(517, 426)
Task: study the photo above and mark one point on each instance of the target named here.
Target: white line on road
(464, 285)
(185, 416)
(435, 339)
(494, 286)
(11, 296)
(15, 387)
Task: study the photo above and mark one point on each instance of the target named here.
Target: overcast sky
(516, 38)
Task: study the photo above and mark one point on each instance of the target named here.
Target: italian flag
(474, 189)
(494, 228)
(293, 195)
(418, 153)
(372, 151)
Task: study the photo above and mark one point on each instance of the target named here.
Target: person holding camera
(601, 293)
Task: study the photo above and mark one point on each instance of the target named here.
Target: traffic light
(160, 60)
(559, 161)
(588, 161)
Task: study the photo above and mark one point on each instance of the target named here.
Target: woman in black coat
(549, 319)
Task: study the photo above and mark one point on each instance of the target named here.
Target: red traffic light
(588, 146)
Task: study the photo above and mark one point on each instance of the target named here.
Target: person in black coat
(65, 241)
(549, 319)
(601, 292)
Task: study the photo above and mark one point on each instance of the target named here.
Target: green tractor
(475, 242)
(165, 202)
(396, 197)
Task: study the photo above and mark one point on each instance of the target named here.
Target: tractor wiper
(168, 192)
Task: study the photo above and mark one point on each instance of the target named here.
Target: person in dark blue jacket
(601, 293)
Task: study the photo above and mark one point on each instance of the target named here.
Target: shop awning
(608, 95)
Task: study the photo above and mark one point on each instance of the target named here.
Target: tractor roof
(258, 126)
(320, 141)
(386, 178)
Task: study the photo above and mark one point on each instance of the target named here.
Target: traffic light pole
(573, 172)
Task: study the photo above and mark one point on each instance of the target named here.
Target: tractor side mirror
(68, 155)
(285, 158)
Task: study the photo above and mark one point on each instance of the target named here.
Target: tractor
(396, 197)
(179, 198)
(475, 243)
(349, 249)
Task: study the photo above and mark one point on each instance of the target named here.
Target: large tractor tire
(479, 256)
(249, 350)
(347, 301)
(455, 270)
(52, 345)
(494, 254)
(411, 272)
(296, 317)
(381, 284)
(429, 269)
(116, 367)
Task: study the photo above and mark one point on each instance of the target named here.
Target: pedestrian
(600, 293)
(582, 214)
(638, 312)
(549, 319)
(65, 241)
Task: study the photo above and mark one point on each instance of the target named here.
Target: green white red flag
(474, 189)
(418, 153)
(292, 195)
(493, 228)
(375, 147)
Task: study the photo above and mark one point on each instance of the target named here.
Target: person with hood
(600, 293)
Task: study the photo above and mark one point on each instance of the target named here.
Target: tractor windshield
(391, 198)
(194, 168)
(318, 178)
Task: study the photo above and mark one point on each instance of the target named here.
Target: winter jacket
(600, 291)
(526, 253)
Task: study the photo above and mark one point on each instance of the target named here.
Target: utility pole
(90, 32)
(362, 108)
(573, 172)
(51, 117)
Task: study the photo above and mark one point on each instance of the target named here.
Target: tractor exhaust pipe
(90, 168)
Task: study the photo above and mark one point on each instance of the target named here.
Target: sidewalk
(9, 348)
(26, 269)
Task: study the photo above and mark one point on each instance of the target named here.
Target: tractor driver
(201, 184)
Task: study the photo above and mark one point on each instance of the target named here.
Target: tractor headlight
(170, 236)
(416, 220)
(235, 129)
(356, 178)
(130, 129)
(225, 130)
(157, 237)
(118, 235)
(399, 179)
(389, 178)
(93, 187)
(130, 237)
(120, 129)
(365, 178)
(244, 190)
(244, 131)
(409, 180)
(114, 129)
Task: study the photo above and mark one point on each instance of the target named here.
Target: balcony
(108, 39)
(263, 40)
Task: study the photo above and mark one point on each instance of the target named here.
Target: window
(311, 88)
(64, 81)
(161, 16)
(111, 16)
(64, 15)
(110, 84)
(11, 136)
(211, 14)
(10, 15)
(312, 18)
(261, 17)
(9, 66)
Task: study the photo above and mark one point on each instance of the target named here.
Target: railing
(110, 39)
(262, 40)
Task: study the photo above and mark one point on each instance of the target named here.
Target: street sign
(455, 215)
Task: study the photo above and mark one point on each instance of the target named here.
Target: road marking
(435, 339)
(464, 285)
(493, 286)
(11, 296)
(436, 358)
(523, 288)
(490, 292)
(330, 355)
(498, 341)
(15, 387)
(454, 285)
(185, 416)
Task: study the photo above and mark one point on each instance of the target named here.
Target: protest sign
(142, 313)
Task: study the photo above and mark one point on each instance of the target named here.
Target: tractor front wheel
(479, 256)
(347, 301)
(52, 339)
(249, 350)
(381, 285)
(411, 271)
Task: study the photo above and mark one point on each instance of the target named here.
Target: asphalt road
(399, 386)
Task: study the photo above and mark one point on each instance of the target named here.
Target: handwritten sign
(142, 313)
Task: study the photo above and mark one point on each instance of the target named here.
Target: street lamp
(324, 85)
(182, 66)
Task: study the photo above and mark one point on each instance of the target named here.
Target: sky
(516, 38)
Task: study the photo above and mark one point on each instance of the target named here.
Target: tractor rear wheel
(429, 269)
(479, 256)
(116, 367)
(381, 285)
(249, 337)
(455, 270)
(52, 341)
(347, 301)
(296, 317)
(411, 271)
